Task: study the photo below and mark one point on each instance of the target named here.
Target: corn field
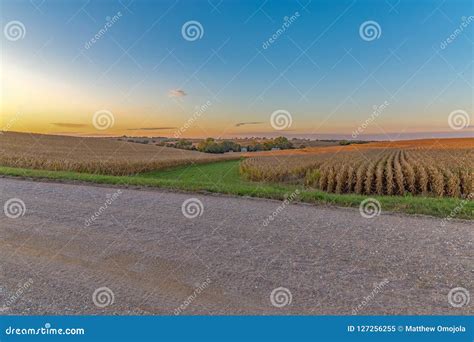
(93, 155)
(427, 172)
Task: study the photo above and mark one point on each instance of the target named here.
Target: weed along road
(81, 249)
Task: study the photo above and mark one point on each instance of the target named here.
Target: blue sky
(320, 69)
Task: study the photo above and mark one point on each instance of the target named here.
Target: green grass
(224, 177)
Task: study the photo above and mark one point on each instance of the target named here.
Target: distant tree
(230, 145)
(268, 145)
(211, 146)
(203, 145)
(282, 143)
(184, 144)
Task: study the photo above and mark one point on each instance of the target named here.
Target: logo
(458, 119)
(370, 30)
(192, 208)
(192, 30)
(370, 207)
(14, 208)
(103, 119)
(281, 297)
(281, 119)
(102, 297)
(14, 30)
(459, 297)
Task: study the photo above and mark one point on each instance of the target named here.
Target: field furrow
(439, 172)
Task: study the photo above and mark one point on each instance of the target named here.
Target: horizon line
(311, 136)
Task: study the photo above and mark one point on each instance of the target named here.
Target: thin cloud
(68, 124)
(248, 123)
(177, 93)
(84, 135)
(150, 128)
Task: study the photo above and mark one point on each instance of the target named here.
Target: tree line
(210, 145)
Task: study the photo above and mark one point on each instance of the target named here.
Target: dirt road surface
(141, 255)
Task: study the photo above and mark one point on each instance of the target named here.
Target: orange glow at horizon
(38, 102)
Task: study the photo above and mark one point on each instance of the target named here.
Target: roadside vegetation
(420, 177)
(224, 177)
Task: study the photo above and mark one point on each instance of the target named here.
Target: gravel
(142, 255)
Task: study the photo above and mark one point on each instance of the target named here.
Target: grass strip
(223, 177)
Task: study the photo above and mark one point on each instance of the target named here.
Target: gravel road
(141, 255)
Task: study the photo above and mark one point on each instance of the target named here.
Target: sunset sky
(153, 77)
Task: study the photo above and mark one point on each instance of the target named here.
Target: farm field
(445, 144)
(411, 170)
(433, 179)
(92, 155)
(224, 177)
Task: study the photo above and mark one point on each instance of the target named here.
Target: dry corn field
(396, 171)
(92, 155)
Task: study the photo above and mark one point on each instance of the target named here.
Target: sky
(227, 68)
